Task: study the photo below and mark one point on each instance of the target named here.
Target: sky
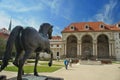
(59, 13)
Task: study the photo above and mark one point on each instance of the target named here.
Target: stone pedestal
(32, 77)
(2, 77)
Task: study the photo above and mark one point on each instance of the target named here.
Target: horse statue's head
(46, 29)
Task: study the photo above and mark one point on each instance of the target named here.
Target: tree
(2, 46)
(3, 42)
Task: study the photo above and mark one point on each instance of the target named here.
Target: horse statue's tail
(7, 54)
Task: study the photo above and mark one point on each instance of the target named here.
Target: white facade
(56, 46)
(112, 35)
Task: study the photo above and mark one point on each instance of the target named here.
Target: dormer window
(102, 26)
(72, 28)
(118, 25)
(86, 27)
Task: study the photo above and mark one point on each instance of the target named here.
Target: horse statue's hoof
(49, 64)
(36, 74)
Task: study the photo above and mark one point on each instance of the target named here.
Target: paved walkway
(82, 72)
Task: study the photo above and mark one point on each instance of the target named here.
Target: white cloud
(18, 6)
(4, 20)
(58, 9)
(106, 13)
(57, 30)
(28, 21)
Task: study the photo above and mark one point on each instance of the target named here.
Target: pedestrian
(70, 62)
(66, 64)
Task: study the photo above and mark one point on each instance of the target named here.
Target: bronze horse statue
(28, 40)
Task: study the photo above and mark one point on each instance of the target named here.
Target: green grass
(116, 62)
(52, 65)
(42, 68)
(29, 69)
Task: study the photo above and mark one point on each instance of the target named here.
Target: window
(102, 26)
(57, 45)
(87, 27)
(51, 45)
(118, 25)
(72, 28)
(119, 35)
(57, 53)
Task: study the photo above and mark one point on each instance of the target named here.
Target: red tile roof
(5, 36)
(93, 26)
(56, 37)
(4, 33)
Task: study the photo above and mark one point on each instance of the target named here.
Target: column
(78, 49)
(80, 52)
(65, 48)
(110, 48)
(95, 48)
(113, 49)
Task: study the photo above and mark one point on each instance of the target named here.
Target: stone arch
(87, 46)
(71, 46)
(97, 35)
(102, 46)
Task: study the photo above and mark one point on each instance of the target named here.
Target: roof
(5, 36)
(93, 26)
(56, 38)
(4, 33)
(4, 30)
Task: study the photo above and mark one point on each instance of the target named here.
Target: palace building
(84, 40)
(91, 40)
(56, 46)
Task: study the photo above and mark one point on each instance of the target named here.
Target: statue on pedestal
(28, 40)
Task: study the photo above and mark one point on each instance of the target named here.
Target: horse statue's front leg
(36, 62)
(50, 62)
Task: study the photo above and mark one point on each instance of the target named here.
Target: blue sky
(59, 13)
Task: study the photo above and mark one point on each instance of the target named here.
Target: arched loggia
(102, 46)
(71, 47)
(87, 47)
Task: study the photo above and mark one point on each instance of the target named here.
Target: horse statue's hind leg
(19, 52)
(36, 62)
(21, 63)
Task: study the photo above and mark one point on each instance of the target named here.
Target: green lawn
(53, 64)
(116, 62)
(43, 67)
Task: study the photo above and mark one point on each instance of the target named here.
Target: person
(66, 63)
(70, 62)
(58, 58)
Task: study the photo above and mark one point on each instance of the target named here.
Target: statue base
(2, 77)
(32, 77)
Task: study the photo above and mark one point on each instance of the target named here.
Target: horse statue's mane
(28, 40)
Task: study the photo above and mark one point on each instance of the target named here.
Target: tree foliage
(2, 46)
